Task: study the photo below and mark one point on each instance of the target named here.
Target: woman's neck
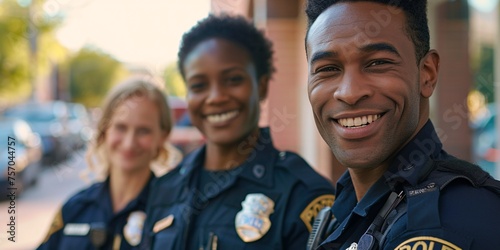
(226, 157)
(126, 186)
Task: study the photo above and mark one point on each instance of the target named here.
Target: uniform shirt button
(182, 171)
(282, 155)
(259, 171)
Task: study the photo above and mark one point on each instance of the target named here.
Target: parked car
(21, 152)
(49, 120)
(178, 106)
(485, 145)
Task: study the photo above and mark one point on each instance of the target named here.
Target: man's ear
(263, 87)
(429, 69)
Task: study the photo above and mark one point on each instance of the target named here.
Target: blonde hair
(133, 87)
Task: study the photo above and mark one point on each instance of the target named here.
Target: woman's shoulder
(294, 165)
(84, 195)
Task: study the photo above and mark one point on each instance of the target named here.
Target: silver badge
(354, 246)
(132, 231)
(252, 222)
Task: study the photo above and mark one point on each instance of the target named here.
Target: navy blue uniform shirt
(89, 214)
(268, 202)
(455, 216)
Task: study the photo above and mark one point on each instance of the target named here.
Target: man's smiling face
(364, 83)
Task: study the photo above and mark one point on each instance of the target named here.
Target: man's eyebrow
(322, 54)
(374, 47)
(369, 48)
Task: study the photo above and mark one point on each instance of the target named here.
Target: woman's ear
(429, 69)
(263, 87)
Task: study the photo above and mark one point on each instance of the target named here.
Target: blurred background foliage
(14, 49)
(91, 74)
(483, 68)
(173, 80)
(30, 51)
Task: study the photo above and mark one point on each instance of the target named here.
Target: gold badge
(427, 242)
(252, 222)
(311, 211)
(163, 223)
(57, 224)
(132, 231)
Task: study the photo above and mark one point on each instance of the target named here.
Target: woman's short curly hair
(235, 29)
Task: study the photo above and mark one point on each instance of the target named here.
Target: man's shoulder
(468, 182)
(469, 174)
(462, 214)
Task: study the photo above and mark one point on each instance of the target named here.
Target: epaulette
(477, 176)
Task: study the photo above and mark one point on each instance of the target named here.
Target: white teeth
(358, 121)
(216, 118)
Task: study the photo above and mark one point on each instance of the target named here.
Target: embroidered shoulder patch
(311, 211)
(427, 242)
(57, 224)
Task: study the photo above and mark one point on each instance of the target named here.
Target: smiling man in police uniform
(371, 74)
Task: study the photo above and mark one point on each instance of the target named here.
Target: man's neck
(363, 179)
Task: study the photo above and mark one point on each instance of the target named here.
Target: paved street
(36, 207)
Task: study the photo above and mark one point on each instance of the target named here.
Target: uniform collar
(346, 198)
(347, 210)
(258, 167)
(414, 161)
(100, 194)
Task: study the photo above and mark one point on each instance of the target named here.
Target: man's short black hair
(415, 11)
(235, 29)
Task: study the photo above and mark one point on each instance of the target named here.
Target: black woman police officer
(130, 135)
(237, 191)
(371, 74)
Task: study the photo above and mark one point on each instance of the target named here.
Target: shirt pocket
(165, 239)
(224, 237)
(165, 233)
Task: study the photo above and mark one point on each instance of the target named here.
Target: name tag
(76, 229)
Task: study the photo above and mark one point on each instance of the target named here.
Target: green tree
(174, 83)
(22, 25)
(92, 74)
(484, 73)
